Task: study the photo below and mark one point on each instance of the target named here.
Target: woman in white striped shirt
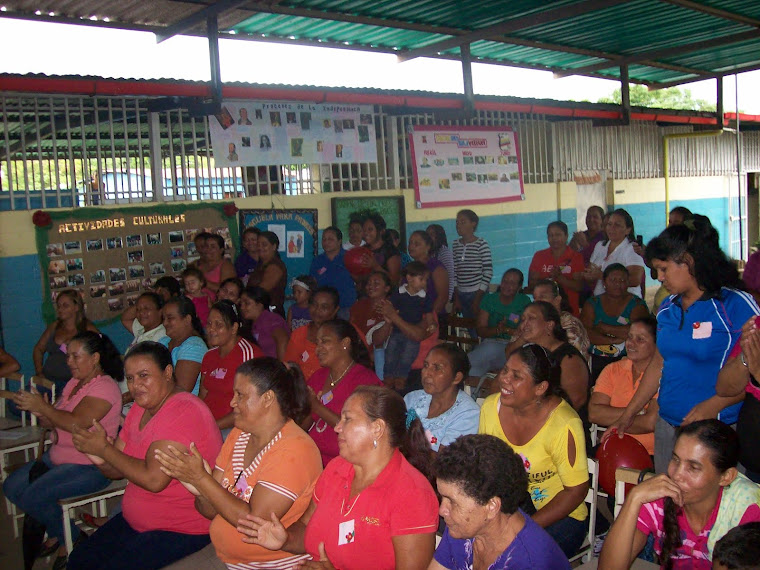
(472, 264)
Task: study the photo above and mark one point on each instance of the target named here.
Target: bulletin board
(113, 255)
(259, 133)
(464, 166)
(297, 232)
(391, 208)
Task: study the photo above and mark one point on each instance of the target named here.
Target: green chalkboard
(391, 208)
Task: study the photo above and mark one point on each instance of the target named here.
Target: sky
(85, 50)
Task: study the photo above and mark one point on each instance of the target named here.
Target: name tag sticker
(304, 356)
(701, 330)
(327, 398)
(622, 320)
(346, 532)
(220, 373)
(566, 270)
(514, 317)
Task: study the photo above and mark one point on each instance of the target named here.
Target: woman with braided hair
(690, 508)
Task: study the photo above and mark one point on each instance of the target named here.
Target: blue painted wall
(21, 310)
(513, 238)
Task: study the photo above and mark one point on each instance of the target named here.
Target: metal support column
(469, 94)
(719, 106)
(625, 94)
(156, 164)
(212, 30)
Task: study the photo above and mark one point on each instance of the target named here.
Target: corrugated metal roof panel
(569, 39)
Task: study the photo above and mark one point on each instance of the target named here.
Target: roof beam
(717, 12)
(511, 25)
(737, 70)
(443, 30)
(664, 52)
(196, 18)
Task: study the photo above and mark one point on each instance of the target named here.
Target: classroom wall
(515, 230)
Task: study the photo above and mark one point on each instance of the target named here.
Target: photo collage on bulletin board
(456, 166)
(259, 133)
(112, 260)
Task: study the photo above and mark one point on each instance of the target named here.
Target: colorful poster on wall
(112, 255)
(295, 229)
(259, 133)
(470, 165)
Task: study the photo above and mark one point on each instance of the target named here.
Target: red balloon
(357, 261)
(620, 452)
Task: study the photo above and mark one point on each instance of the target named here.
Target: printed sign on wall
(111, 256)
(471, 165)
(296, 231)
(259, 133)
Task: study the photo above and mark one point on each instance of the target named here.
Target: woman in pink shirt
(689, 508)
(91, 394)
(158, 523)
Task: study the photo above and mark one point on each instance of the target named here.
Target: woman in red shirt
(228, 351)
(371, 503)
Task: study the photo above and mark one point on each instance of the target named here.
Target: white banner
(259, 133)
(456, 166)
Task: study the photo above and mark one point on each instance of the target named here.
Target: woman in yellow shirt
(530, 414)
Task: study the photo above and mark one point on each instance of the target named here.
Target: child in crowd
(408, 321)
(298, 313)
(739, 549)
(355, 233)
(195, 290)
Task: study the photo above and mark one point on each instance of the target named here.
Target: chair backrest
(627, 476)
(456, 332)
(587, 550)
(42, 382)
(596, 432)
(4, 392)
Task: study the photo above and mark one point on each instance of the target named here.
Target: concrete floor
(10, 548)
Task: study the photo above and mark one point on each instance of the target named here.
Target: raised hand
(185, 467)
(657, 487)
(92, 442)
(267, 533)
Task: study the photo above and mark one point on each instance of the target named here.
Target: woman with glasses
(531, 414)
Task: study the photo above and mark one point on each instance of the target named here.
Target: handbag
(34, 531)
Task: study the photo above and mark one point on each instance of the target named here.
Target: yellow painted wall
(17, 231)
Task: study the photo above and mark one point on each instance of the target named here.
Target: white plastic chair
(98, 502)
(586, 552)
(21, 439)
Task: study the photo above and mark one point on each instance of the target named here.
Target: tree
(671, 98)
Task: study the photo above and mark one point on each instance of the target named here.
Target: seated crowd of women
(251, 445)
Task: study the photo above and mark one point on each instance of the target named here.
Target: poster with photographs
(296, 231)
(471, 165)
(259, 133)
(114, 257)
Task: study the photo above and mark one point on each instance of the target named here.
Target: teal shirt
(497, 311)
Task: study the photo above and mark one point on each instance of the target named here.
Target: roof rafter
(511, 25)
(743, 69)
(717, 12)
(196, 18)
(663, 52)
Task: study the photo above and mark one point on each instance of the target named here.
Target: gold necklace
(334, 382)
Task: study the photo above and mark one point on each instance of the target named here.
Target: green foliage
(671, 98)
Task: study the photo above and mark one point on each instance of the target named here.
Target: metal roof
(662, 42)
